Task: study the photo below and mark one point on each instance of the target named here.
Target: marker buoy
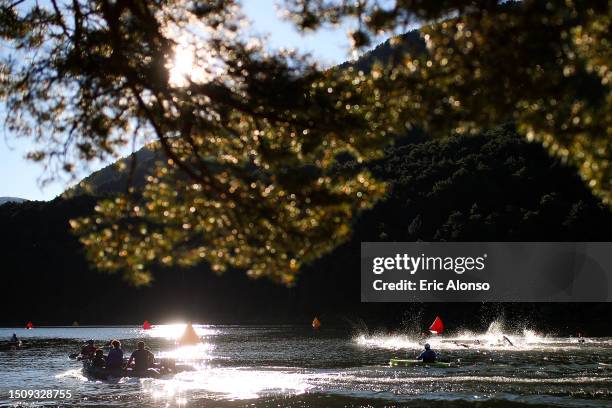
(437, 327)
(316, 323)
(146, 325)
(189, 337)
(29, 326)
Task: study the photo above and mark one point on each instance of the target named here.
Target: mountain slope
(494, 186)
(115, 177)
(4, 200)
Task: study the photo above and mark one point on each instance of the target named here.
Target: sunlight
(174, 331)
(167, 331)
(185, 353)
(193, 62)
(232, 383)
(183, 68)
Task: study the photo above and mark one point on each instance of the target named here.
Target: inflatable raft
(166, 367)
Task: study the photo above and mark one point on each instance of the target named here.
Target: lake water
(289, 366)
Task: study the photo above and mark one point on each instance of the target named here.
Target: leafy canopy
(252, 135)
(543, 64)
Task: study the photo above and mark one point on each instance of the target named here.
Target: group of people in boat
(142, 357)
(13, 344)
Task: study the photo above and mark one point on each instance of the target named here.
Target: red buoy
(29, 326)
(437, 327)
(146, 325)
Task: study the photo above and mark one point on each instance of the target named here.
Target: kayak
(396, 362)
(101, 373)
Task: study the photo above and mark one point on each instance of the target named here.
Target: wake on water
(494, 337)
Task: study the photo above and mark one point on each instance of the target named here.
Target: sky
(21, 178)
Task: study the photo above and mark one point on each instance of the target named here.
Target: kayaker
(428, 356)
(114, 359)
(98, 360)
(142, 357)
(88, 350)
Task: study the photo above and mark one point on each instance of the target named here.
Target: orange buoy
(316, 323)
(146, 325)
(189, 337)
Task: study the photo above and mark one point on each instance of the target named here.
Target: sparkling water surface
(291, 366)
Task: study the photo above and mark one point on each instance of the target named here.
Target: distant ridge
(4, 200)
(113, 179)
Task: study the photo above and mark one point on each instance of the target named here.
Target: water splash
(496, 336)
(392, 341)
(73, 373)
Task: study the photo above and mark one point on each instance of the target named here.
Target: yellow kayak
(397, 362)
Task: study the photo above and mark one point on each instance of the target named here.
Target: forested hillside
(494, 186)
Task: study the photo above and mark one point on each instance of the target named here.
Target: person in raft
(142, 357)
(88, 350)
(114, 359)
(428, 356)
(98, 360)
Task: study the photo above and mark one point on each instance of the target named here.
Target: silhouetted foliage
(493, 186)
(248, 135)
(543, 64)
(251, 136)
